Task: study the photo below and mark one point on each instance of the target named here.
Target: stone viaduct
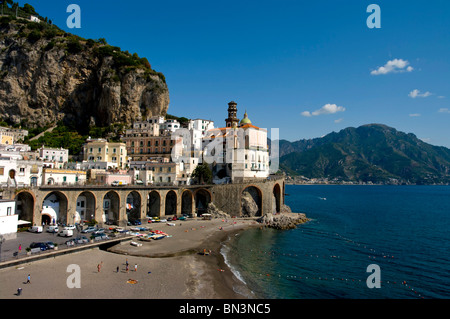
(128, 203)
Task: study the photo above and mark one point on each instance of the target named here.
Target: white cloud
(338, 120)
(416, 93)
(326, 109)
(444, 110)
(393, 66)
(414, 115)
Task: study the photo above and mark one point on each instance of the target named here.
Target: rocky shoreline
(284, 220)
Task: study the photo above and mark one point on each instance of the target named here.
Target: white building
(238, 151)
(170, 125)
(197, 130)
(58, 156)
(15, 172)
(8, 218)
(52, 176)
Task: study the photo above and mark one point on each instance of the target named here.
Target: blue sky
(305, 67)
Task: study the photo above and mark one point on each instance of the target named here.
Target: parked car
(119, 183)
(42, 246)
(36, 229)
(99, 231)
(50, 245)
(70, 227)
(90, 229)
(81, 240)
(66, 233)
(52, 229)
(100, 236)
(70, 242)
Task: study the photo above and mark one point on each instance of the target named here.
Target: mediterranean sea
(405, 230)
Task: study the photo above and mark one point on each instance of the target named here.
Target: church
(237, 152)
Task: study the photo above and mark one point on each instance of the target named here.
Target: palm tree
(203, 174)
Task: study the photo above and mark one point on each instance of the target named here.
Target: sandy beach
(170, 268)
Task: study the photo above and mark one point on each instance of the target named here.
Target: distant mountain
(370, 153)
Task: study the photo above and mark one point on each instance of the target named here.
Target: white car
(70, 227)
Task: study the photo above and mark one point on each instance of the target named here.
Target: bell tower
(232, 120)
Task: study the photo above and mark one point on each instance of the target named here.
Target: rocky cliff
(48, 75)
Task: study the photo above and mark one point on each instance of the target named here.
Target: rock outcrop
(47, 75)
(215, 212)
(284, 220)
(249, 206)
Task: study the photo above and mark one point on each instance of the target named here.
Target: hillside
(49, 76)
(370, 153)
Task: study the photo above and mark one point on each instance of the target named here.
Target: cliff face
(47, 75)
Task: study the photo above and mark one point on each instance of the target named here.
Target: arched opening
(171, 203)
(276, 200)
(85, 209)
(133, 206)
(25, 206)
(202, 199)
(186, 203)
(12, 178)
(54, 207)
(154, 204)
(251, 202)
(46, 219)
(111, 207)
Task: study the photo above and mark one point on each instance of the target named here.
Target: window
(8, 211)
(99, 149)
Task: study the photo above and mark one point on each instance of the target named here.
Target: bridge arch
(202, 198)
(187, 203)
(54, 208)
(171, 203)
(133, 206)
(111, 207)
(154, 204)
(25, 202)
(86, 202)
(251, 201)
(276, 200)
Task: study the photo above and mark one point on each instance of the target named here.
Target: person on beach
(135, 267)
(117, 269)
(126, 267)
(28, 279)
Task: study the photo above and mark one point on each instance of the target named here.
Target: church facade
(239, 151)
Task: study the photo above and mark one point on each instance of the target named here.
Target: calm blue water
(405, 230)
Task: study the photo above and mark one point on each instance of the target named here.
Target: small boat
(170, 224)
(157, 237)
(133, 243)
